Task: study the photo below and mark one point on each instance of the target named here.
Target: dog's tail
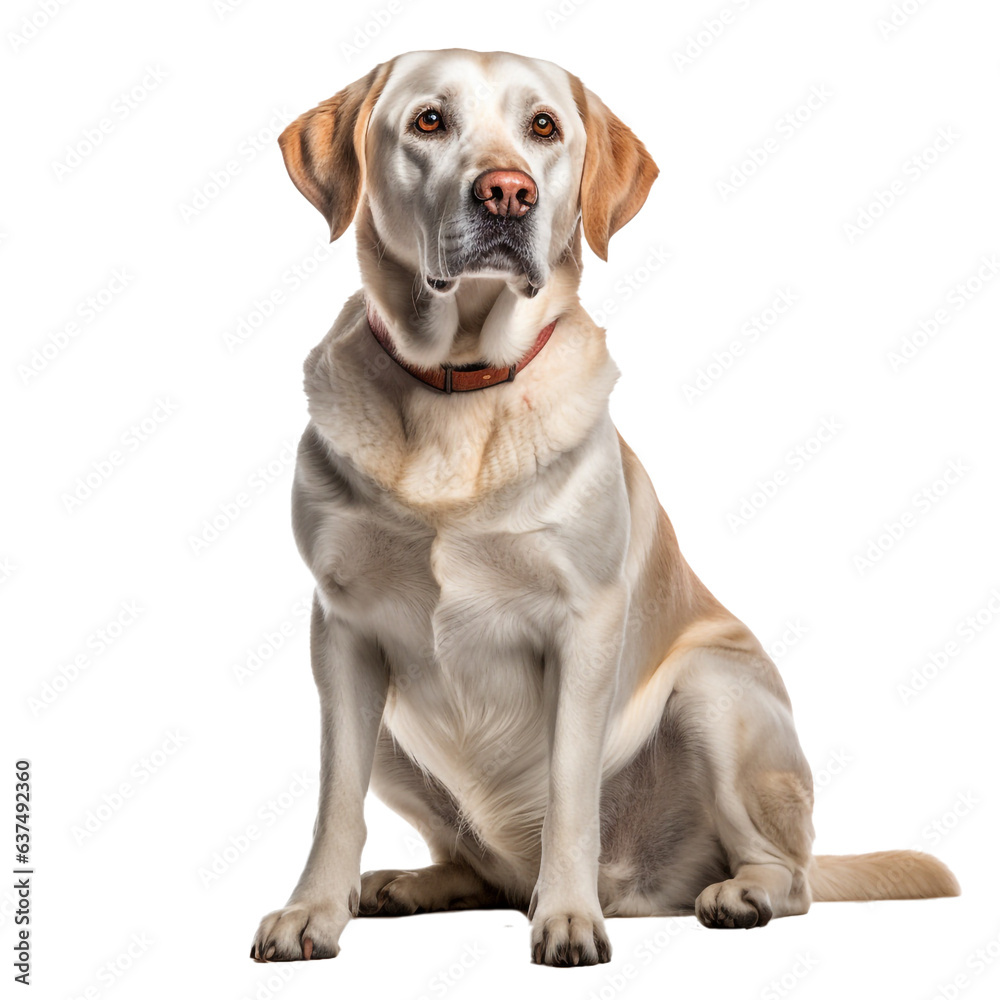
(881, 875)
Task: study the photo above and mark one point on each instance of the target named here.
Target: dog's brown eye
(543, 125)
(428, 121)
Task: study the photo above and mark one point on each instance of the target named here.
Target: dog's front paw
(567, 939)
(300, 931)
(729, 904)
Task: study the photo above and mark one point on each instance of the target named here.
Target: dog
(509, 648)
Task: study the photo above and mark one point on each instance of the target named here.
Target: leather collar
(450, 378)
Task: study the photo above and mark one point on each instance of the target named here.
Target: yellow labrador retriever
(508, 645)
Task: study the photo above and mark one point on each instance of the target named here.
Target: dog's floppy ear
(324, 149)
(617, 171)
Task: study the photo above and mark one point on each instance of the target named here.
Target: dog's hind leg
(446, 885)
(762, 796)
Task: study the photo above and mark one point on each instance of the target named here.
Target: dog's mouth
(493, 247)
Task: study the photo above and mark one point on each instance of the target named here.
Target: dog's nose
(505, 192)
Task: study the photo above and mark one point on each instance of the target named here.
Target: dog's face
(473, 164)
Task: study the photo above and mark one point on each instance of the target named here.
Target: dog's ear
(324, 149)
(617, 171)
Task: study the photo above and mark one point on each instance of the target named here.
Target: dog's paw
(730, 904)
(390, 892)
(449, 885)
(567, 939)
(299, 931)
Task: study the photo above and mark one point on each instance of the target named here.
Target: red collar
(448, 378)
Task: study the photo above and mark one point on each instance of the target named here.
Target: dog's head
(473, 164)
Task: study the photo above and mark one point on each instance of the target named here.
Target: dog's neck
(480, 319)
(442, 453)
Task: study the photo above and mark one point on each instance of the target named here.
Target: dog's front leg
(567, 926)
(352, 678)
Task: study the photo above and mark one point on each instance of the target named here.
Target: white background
(893, 770)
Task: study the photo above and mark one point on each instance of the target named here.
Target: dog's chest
(463, 614)
(469, 610)
(468, 702)
(456, 593)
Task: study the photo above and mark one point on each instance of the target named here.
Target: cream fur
(508, 645)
